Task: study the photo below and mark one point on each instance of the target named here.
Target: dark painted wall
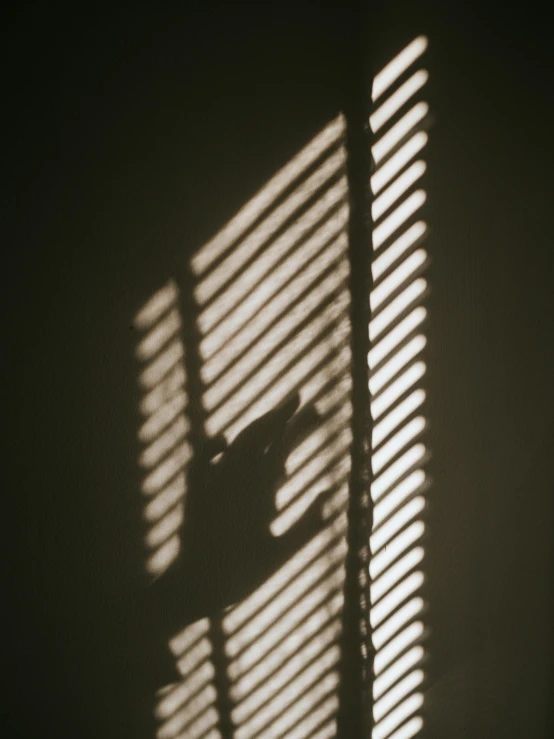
(131, 138)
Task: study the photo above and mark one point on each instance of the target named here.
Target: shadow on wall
(260, 313)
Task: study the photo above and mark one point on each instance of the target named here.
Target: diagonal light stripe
(165, 389)
(396, 694)
(314, 717)
(396, 308)
(393, 222)
(385, 173)
(394, 337)
(396, 717)
(397, 189)
(185, 690)
(388, 530)
(397, 249)
(282, 523)
(198, 729)
(391, 601)
(399, 131)
(307, 290)
(164, 528)
(211, 251)
(382, 429)
(282, 726)
(241, 613)
(194, 656)
(165, 499)
(336, 424)
(214, 320)
(167, 470)
(398, 441)
(228, 417)
(409, 729)
(293, 666)
(408, 636)
(385, 480)
(235, 266)
(396, 670)
(398, 495)
(164, 556)
(164, 362)
(323, 616)
(392, 71)
(396, 573)
(162, 417)
(397, 388)
(158, 304)
(153, 453)
(381, 635)
(287, 623)
(285, 701)
(189, 636)
(297, 341)
(401, 96)
(212, 734)
(271, 613)
(310, 471)
(159, 335)
(170, 728)
(397, 278)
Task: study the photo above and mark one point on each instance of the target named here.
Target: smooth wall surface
(131, 139)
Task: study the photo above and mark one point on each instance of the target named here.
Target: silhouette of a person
(228, 549)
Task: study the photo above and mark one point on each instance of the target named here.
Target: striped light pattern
(164, 426)
(273, 316)
(272, 290)
(397, 379)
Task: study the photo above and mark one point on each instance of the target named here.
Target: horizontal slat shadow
(417, 290)
(325, 617)
(325, 729)
(288, 709)
(325, 574)
(330, 585)
(185, 691)
(315, 234)
(320, 710)
(406, 271)
(396, 164)
(414, 119)
(277, 189)
(392, 72)
(287, 340)
(327, 194)
(398, 716)
(404, 330)
(297, 286)
(332, 353)
(326, 636)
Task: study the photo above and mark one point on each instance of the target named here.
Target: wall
(132, 138)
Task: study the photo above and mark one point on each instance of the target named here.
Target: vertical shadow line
(190, 311)
(355, 690)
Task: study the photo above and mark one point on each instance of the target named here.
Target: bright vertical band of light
(163, 429)
(397, 376)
